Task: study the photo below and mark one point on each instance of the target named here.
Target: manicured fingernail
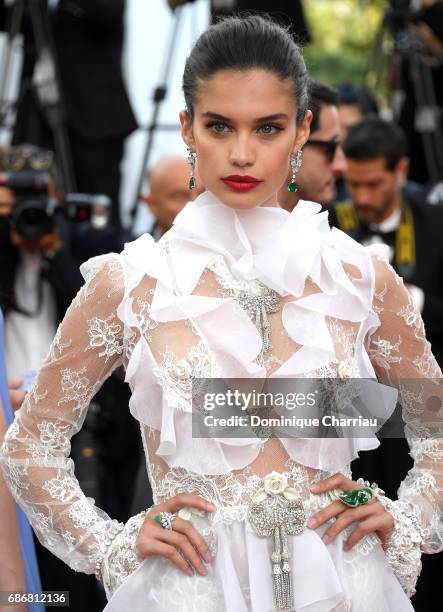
(189, 571)
(314, 488)
(207, 557)
(312, 523)
(203, 570)
(326, 539)
(345, 546)
(210, 507)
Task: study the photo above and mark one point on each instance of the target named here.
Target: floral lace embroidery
(379, 297)
(82, 514)
(34, 397)
(54, 436)
(177, 376)
(75, 388)
(63, 489)
(382, 350)
(143, 315)
(17, 477)
(114, 272)
(104, 334)
(58, 346)
(425, 363)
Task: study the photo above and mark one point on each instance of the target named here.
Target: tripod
(45, 79)
(409, 48)
(158, 98)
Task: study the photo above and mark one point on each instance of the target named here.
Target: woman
(237, 288)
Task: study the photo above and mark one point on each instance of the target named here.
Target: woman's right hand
(183, 545)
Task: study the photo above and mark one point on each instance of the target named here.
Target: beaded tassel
(281, 571)
(278, 517)
(287, 601)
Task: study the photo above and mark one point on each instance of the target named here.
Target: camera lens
(31, 221)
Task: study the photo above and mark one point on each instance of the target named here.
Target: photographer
(40, 258)
(41, 250)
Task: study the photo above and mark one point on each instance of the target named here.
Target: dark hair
(361, 97)
(242, 43)
(373, 138)
(320, 95)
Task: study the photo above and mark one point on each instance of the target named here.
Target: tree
(344, 33)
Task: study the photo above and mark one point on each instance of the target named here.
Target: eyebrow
(274, 117)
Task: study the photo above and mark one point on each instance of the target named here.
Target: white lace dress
(170, 313)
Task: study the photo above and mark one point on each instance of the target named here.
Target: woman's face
(244, 132)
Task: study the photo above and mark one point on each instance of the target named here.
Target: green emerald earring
(295, 167)
(192, 157)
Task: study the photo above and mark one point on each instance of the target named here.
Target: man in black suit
(88, 37)
(384, 210)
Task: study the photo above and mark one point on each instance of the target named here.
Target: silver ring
(335, 494)
(374, 486)
(165, 519)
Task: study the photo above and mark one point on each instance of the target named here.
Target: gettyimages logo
(318, 408)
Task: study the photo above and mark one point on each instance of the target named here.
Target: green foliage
(343, 38)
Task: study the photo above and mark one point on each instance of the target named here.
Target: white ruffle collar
(279, 248)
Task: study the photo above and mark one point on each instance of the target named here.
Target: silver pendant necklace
(254, 297)
(258, 306)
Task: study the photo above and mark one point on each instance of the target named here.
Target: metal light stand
(46, 80)
(159, 97)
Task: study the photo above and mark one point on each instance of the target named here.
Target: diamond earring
(296, 161)
(192, 157)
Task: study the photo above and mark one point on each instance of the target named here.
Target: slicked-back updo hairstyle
(244, 43)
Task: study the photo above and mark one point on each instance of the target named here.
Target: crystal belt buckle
(277, 511)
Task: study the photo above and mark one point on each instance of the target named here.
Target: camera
(34, 213)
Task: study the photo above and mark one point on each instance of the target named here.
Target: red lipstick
(239, 182)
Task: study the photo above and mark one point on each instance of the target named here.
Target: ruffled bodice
(183, 318)
(171, 313)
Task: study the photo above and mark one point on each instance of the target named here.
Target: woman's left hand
(372, 516)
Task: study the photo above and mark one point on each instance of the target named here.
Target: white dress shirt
(28, 338)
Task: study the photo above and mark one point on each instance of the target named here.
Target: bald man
(169, 192)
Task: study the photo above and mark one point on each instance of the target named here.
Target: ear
(149, 201)
(303, 131)
(187, 133)
(402, 170)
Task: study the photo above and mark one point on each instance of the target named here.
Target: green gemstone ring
(165, 519)
(356, 497)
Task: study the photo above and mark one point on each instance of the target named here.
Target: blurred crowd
(366, 170)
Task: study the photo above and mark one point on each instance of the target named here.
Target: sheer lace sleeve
(402, 357)
(34, 456)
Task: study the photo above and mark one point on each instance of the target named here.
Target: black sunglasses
(329, 146)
